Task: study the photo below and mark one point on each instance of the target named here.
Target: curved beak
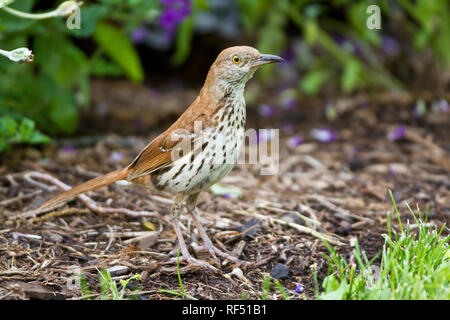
(265, 59)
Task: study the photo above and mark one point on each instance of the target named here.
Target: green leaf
(273, 37)
(60, 59)
(101, 67)
(26, 129)
(8, 127)
(73, 63)
(28, 133)
(313, 81)
(63, 112)
(12, 133)
(333, 289)
(357, 14)
(350, 76)
(311, 31)
(119, 48)
(183, 40)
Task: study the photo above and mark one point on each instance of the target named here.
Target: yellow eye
(236, 59)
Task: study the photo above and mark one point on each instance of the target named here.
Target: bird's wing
(158, 153)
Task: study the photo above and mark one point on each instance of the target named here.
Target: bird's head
(237, 64)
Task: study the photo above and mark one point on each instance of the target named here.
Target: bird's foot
(196, 262)
(214, 251)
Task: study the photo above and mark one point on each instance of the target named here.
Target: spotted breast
(213, 153)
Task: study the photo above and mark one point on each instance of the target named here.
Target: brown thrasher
(198, 150)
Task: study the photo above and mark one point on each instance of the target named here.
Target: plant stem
(36, 16)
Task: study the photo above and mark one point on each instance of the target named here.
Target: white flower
(67, 8)
(19, 55)
(5, 3)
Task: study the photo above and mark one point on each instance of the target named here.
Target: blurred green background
(326, 45)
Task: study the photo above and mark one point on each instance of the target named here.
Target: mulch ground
(336, 190)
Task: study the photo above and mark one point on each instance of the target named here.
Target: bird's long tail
(90, 185)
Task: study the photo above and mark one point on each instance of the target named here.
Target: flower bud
(67, 8)
(19, 55)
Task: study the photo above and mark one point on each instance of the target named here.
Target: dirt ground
(336, 190)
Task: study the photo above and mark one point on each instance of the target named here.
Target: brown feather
(90, 185)
(158, 153)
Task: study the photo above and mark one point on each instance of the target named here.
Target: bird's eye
(236, 59)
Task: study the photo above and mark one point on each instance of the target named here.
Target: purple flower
(295, 141)
(288, 55)
(289, 103)
(116, 156)
(389, 46)
(266, 111)
(138, 35)
(288, 128)
(397, 134)
(230, 196)
(299, 288)
(440, 106)
(323, 135)
(340, 40)
(358, 49)
(174, 13)
(392, 169)
(68, 149)
(349, 45)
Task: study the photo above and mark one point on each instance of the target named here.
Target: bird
(197, 150)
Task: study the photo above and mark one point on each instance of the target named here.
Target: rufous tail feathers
(90, 185)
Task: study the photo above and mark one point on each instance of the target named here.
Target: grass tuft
(414, 266)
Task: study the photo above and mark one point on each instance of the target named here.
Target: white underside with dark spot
(220, 154)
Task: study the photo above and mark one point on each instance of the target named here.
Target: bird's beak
(265, 59)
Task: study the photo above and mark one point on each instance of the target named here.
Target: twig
(296, 226)
(308, 221)
(329, 205)
(111, 238)
(11, 180)
(21, 197)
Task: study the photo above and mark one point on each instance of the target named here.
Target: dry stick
(111, 238)
(21, 197)
(308, 221)
(18, 272)
(91, 204)
(11, 180)
(438, 154)
(38, 184)
(328, 204)
(296, 226)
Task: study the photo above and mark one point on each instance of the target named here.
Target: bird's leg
(175, 210)
(190, 205)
